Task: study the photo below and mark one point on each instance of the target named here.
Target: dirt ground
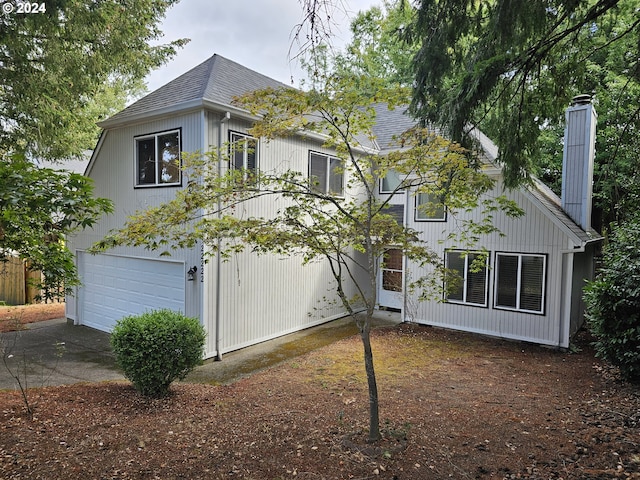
(13, 318)
(452, 405)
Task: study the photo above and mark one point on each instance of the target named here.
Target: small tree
(613, 302)
(350, 230)
(39, 208)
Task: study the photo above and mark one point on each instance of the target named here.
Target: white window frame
(239, 139)
(465, 284)
(325, 183)
(391, 175)
(519, 282)
(431, 198)
(155, 137)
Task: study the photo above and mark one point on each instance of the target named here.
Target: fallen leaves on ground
(453, 405)
(15, 317)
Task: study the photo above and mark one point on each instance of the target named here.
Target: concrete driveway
(55, 352)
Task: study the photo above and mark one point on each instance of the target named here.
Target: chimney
(577, 161)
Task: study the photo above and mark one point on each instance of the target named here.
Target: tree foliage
(377, 47)
(39, 207)
(351, 231)
(506, 63)
(613, 302)
(64, 69)
(61, 71)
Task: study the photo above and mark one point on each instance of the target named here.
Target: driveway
(56, 352)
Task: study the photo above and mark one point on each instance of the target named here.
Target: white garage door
(116, 286)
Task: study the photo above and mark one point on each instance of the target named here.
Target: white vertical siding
(266, 296)
(113, 172)
(534, 233)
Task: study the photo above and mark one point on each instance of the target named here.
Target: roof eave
(575, 239)
(119, 121)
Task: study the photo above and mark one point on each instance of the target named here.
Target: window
(244, 155)
(469, 285)
(520, 282)
(158, 159)
(326, 174)
(390, 182)
(429, 208)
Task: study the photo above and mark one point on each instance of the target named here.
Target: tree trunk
(374, 416)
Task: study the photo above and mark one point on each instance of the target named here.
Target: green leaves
(511, 67)
(157, 347)
(613, 302)
(39, 208)
(62, 71)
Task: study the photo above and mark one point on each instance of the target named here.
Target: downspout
(564, 322)
(405, 263)
(223, 120)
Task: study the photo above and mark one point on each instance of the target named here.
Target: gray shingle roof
(216, 80)
(390, 124)
(552, 204)
(219, 80)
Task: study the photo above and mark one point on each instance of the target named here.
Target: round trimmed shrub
(156, 348)
(613, 302)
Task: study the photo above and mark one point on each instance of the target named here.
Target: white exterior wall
(266, 296)
(533, 233)
(113, 172)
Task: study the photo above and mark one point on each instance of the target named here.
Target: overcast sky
(255, 33)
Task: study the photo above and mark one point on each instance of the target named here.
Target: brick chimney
(577, 161)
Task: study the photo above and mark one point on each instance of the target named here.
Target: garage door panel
(115, 287)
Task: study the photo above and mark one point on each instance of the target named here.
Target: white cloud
(254, 33)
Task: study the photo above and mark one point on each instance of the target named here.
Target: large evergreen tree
(510, 66)
(63, 67)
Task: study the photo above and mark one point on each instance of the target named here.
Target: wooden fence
(15, 282)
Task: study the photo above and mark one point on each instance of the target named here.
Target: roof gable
(217, 80)
(552, 204)
(390, 124)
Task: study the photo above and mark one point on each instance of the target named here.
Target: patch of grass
(406, 354)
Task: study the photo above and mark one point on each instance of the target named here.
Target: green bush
(156, 348)
(613, 302)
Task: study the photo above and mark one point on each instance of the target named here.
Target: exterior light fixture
(191, 273)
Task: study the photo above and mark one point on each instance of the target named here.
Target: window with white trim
(390, 182)
(158, 159)
(468, 277)
(429, 208)
(520, 282)
(326, 174)
(244, 155)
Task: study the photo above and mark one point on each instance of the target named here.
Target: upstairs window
(429, 208)
(158, 159)
(326, 174)
(520, 282)
(244, 155)
(469, 285)
(390, 182)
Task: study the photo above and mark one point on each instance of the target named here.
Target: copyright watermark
(23, 8)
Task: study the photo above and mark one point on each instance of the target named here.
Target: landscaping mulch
(452, 405)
